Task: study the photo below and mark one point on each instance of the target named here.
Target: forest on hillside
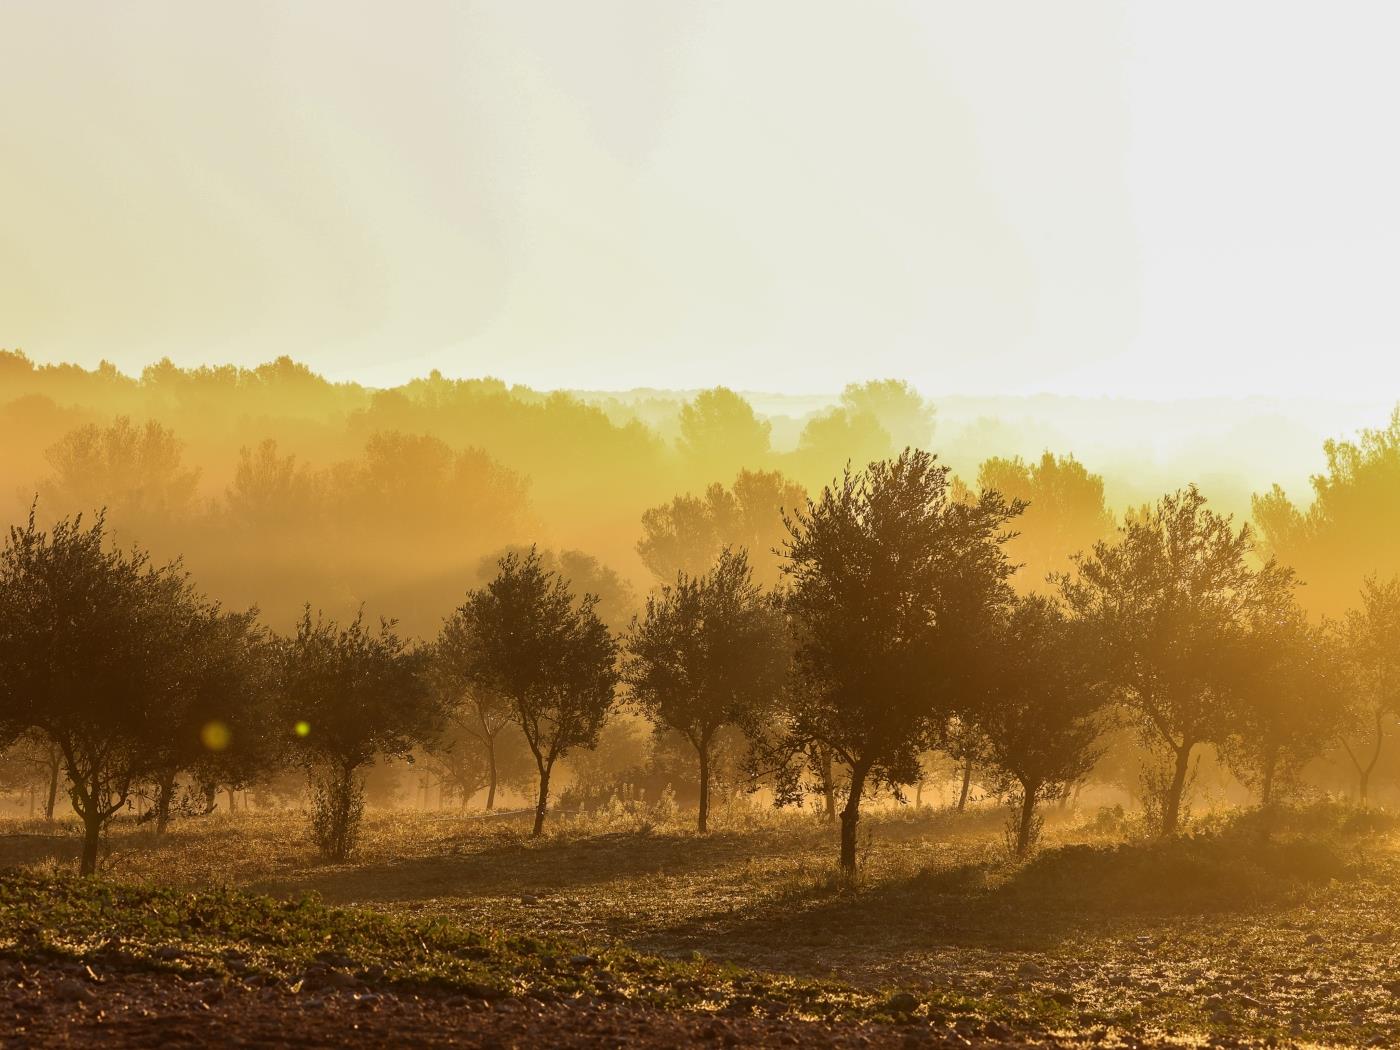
(273, 483)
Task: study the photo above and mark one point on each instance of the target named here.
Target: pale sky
(1151, 199)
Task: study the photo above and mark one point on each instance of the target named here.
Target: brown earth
(67, 1005)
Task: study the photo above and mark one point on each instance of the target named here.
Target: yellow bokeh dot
(215, 735)
(303, 728)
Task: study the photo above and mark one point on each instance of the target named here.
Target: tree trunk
(542, 803)
(164, 792)
(919, 795)
(1266, 796)
(1023, 831)
(1171, 807)
(52, 800)
(850, 818)
(828, 785)
(232, 801)
(92, 839)
(1266, 781)
(1364, 786)
(966, 784)
(1375, 757)
(702, 821)
(491, 781)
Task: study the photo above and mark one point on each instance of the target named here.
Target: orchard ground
(628, 928)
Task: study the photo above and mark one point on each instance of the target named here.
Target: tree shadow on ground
(996, 905)
(504, 862)
(509, 864)
(28, 849)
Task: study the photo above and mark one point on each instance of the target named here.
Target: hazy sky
(1142, 198)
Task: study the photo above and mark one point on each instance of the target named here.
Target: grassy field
(1102, 936)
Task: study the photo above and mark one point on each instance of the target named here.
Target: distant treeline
(273, 482)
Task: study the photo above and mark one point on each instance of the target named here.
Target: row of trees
(894, 630)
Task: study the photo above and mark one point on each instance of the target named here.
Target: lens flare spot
(215, 735)
(303, 728)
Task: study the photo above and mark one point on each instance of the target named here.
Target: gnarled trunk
(95, 806)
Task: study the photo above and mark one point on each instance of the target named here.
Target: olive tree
(219, 719)
(477, 712)
(348, 695)
(1372, 647)
(1291, 701)
(548, 653)
(1042, 718)
(95, 650)
(710, 651)
(1170, 601)
(894, 586)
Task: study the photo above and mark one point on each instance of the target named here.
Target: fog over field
(657, 523)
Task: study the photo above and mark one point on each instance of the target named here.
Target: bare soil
(57, 1005)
